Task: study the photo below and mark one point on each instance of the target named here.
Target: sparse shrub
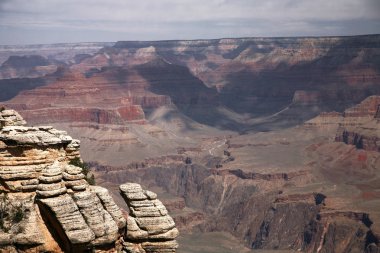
(77, 162)
(188, 160)
(3, 208)
(91, 180)
(85, 170)
(9, 212)
(18, 214)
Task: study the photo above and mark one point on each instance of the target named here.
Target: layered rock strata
(358, 125)
(150, 228)
(51, 207)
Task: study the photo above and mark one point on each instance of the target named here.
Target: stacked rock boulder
(61, 211)
(74, 178)
(150, 228)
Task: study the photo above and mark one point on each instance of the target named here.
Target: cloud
(161, 19)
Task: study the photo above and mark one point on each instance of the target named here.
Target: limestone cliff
(358, 125)
(46, 205)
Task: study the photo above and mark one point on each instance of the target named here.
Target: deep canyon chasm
(273, 141)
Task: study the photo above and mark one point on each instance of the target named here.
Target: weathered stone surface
(21, 135)
(51, 193)
(50, 184)
(5, 239)
(155, 225)
(79, 187)
(134, 232)
(67, 214)
(52, 179)
(132, 191)
(157, 209)
(10, 118)
(53, 170)
(97, 218)
(151, 195)
(61, 212)
(148, 221)
(30, 235)
(167, 246)
(110, 205)
(73, 170)
(80, 182)
(72, 177)
(133, 248)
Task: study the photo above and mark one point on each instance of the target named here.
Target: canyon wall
(47, 203)
(289, 80)
(257, 210)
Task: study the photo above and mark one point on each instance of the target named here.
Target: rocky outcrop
(366, 137)
(365, 132)
(10, 118)
(319, 231)
(150, 228)
(358, 125)
(47, 205)
(367, 108)
(325, 119)
(255, 208)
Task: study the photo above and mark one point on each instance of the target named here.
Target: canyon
(257, 144)
(47, 205)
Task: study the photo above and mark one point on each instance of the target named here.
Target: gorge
(250, 143)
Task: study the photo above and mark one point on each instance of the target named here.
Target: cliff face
(365, 134)
(358, 125)
(47, 205)
(145, 99)
(249, 77)
(75, 98)
(296, 189)
(257, 210)
(330, 71)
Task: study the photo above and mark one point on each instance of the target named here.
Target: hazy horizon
(195, 39)
(47, 22)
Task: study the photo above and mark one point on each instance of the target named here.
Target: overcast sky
(52, 21)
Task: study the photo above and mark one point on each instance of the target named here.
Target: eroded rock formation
(149, 225)
(358, 125)
(47, 205)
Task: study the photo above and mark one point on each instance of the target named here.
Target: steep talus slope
(48, 206)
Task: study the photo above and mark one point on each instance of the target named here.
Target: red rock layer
(102, 98)
(369, 107)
